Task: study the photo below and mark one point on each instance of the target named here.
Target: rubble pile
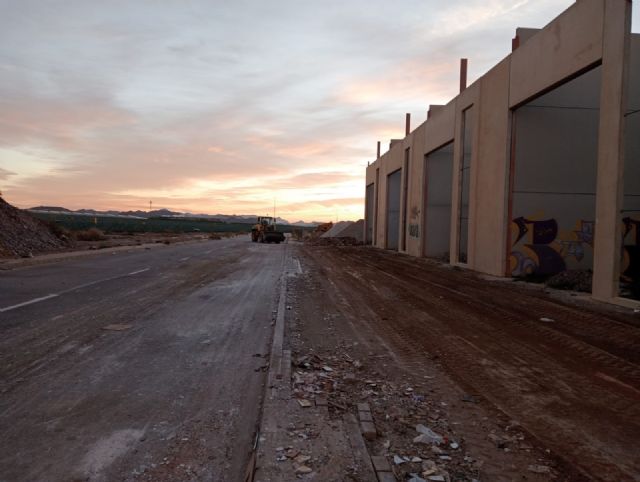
(23, 235)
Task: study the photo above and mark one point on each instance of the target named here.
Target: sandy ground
(527, 386)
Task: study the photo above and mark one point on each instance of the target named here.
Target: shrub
(91, 234)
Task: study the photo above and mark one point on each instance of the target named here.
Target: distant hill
(49, 208)
(224, 218)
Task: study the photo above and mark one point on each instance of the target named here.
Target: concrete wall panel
(439, 130)
(439, 173)
(569, 44)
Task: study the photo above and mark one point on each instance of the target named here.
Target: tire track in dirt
(550, 380)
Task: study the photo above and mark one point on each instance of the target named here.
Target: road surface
(137, 365)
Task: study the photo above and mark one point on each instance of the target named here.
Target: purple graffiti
(549, 260)
(544, 232)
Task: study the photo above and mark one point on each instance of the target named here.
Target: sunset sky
(220, 107)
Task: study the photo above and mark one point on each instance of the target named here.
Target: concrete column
(378, 151)
(407, 124)
(463, 74)
(609, 187)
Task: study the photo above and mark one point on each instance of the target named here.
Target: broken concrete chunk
(415, 478)
(303, 469)
(398, 460)
(302, 459)
(304, 403)
(539, 469)
(117, 327)
(427, 436)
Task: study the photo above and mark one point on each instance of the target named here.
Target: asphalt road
(174, 394)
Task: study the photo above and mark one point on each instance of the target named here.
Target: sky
(225, 107)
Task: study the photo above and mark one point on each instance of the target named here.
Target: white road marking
(207, 252)
(30, 302)
(185, 258)
(298, 265)
(75, 288)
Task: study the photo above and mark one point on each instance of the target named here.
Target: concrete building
(532, 169)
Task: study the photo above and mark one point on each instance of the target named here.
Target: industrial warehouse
(532, 170)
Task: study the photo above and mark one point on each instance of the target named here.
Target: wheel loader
(265, 231)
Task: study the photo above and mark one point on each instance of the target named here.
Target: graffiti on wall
(630, 265)
(541, 248)
(414, 226)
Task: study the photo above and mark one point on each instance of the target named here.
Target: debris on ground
(572, 279)
(117, 327)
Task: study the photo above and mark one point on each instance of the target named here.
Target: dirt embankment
(23, 235)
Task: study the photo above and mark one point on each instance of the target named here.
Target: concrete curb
(278, 393)
(278, 377)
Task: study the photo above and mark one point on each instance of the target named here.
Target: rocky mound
(23, 235)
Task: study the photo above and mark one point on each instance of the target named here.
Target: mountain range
(225, 218)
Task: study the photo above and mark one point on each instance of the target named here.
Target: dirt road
(567, 375)
(141, 365)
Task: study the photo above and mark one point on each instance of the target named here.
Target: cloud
(219, 107)
(4, 174)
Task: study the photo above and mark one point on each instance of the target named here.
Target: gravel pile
(573, 279)
(23, 235)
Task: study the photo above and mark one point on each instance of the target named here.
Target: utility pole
(150, 203)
